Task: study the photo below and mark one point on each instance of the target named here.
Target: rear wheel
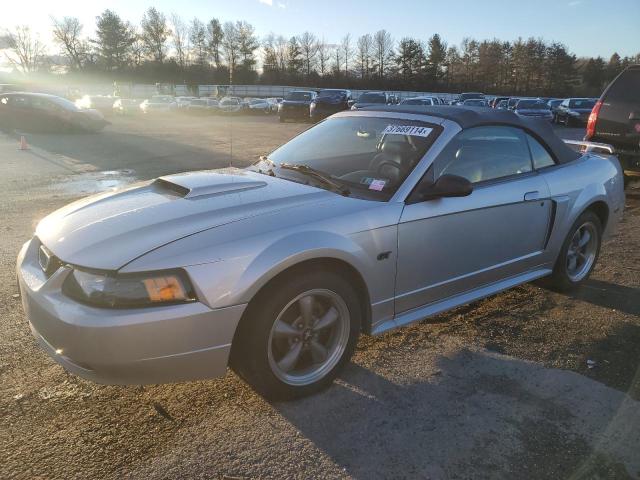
(295, 338)
(579, 253)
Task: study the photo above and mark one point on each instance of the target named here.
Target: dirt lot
(497, 389)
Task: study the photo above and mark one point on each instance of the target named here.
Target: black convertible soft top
(468, 117)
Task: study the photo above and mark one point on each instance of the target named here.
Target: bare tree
(155, 33)
(198, 38)
(215, 35)
(27, 51)
(364, 47)
(324, 54)
(347, 52)
(179, 38)
(137, 49)
(383, 51)
(67, 34)
(309, 48)
(230, 47)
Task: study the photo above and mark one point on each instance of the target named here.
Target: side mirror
(446, 186)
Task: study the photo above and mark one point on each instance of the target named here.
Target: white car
(159, 103)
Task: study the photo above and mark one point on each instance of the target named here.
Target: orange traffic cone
(23, 143)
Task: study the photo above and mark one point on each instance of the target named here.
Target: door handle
(532, 196)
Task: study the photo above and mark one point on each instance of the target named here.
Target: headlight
(129, 290)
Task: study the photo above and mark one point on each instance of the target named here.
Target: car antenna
(230, 140)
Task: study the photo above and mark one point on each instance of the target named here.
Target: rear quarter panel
(576, 186)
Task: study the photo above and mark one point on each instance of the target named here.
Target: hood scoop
(202, 184)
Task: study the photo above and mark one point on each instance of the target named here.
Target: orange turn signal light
(165, 289)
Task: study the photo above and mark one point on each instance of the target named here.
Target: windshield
(160, 100)
(474, 103)
(331, 93)
(369, 156)
(229, 101)
(198, 102)
(532, 105)
(581, 103)
(63, 102)
(417, 101)
(298, 96)
(467, 96)
(372, 98)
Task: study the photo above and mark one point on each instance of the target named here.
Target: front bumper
(124, 346)
(325, 110)
(298, 111)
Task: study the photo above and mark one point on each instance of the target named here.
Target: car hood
(332, 100)
(296, 102)
(109, 230)
(369, 104)
(532, 111)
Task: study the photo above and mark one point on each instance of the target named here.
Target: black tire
(251, 345)
(560, 279)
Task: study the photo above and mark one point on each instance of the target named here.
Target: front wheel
(579, 253)
(294, 339)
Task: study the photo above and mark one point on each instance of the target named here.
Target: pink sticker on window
(377, 185)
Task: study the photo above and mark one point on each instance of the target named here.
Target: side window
(17, 101)
(540, 156)
(485, 153)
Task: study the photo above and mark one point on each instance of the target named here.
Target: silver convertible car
(368, 221)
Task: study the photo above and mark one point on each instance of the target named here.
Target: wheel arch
(601, 209)
(326, 263)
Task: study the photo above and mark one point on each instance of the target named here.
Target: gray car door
(449, 246)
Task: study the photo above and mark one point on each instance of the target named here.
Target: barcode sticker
(412, 130)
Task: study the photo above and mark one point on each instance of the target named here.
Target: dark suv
(615, 119)
(330, 101)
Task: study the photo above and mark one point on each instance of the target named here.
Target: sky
(587, 27)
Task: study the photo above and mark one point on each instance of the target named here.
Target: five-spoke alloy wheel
(298, 333)
(579, 252)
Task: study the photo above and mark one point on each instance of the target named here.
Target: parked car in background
(274, 103)
(272, 269)
(296, 105)
(553, 106)
(230, 105)
(202, 106)
(370, 99)
(475, 102)
(184, 102)
(102, 103)
(469, 96)
(41, 112)
(126, 106)
(534, 108)
(512, 102)
(495, 101)
(330, 101)
(259, 105)
(615, 119)
(574, 112)
(502, 105)
(429, 101)
(159, 104)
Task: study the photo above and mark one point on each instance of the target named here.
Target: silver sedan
(371, 220)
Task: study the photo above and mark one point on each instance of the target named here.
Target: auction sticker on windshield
(407, 130)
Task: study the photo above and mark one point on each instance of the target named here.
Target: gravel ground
(496, 389)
